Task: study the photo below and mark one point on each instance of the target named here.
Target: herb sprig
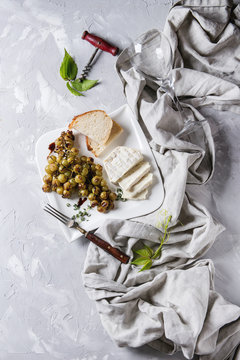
(120, 195)
(68, 72)
(146, 255)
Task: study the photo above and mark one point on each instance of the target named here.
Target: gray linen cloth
(173, 306)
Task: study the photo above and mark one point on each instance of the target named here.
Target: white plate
(132, 136)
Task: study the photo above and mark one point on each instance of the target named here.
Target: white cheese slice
(143, 184)
(134, 175)
(141, 196)
(120, 161)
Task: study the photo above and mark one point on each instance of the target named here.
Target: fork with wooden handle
(118, 254)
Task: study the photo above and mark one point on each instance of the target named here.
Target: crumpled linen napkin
(173, 306)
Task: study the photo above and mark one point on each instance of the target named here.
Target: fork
(118, 254)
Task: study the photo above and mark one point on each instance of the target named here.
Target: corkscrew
(100, 44)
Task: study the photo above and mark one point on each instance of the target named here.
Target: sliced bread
(95, 124)
(98, 148)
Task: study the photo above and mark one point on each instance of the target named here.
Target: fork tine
(55, 215)
(65, 217)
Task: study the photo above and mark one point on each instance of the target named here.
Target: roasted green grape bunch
(68, 172)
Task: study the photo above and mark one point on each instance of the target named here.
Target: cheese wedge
(141, 196)
(134, 175)
(143, 184)
(120, 161)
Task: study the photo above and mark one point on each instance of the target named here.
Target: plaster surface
(44, 311)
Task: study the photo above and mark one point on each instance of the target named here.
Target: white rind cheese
(134, 175)
(120, 161)
(141, 196)
(143, 184)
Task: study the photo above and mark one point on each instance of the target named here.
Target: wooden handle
(99, 43)
(118, 254)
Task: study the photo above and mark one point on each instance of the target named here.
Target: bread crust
(70, 126)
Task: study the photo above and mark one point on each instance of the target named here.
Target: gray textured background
(44, 311)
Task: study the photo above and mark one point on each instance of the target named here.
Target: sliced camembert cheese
(143, 184)
(141, 196)
(120, 161)
(134, 175)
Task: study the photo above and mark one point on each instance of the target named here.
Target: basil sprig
(146, 255)
(68, 71)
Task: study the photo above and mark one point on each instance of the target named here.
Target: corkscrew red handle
(99, 43)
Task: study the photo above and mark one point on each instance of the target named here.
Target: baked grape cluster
(68, 172)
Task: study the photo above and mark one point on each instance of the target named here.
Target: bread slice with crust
(95, 124)
(97, 148)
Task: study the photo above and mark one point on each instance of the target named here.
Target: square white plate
(132, 136)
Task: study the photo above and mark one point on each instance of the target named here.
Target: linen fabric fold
(173, 306)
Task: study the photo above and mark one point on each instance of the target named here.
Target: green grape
(67, 185)
(94, 203)
(48, 170)
(55, 182)
(90, 187)
(99, 167)
(85, 172)
(101, 209)
(68, 173)
(61, 169)
(74, 151)
(103, 195)
(53, 167)
(77, 168)
(51, 159)
(96, 190)
(84, 193)
(70, 159)
(92, 197)
(59, 190)
(104, 188)
(62, 178)
(80, 179)
(66, 194)
(96, 180)
(98, 173)
(111, 205)
(105, 204)
(46, 187)
(112, 196)
(103, 182)
(47, 179)
(72, 182)
(90, 160)
(83, 158)
(65, 162)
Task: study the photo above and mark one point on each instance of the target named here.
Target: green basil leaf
(68, 69)
(83, 85)
(150, 251)
(147, 265)
(139, 261)
(73, 91)
(143, 253)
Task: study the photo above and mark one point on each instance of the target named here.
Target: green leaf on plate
(73, 91)
(83, 85)
(68, 69)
